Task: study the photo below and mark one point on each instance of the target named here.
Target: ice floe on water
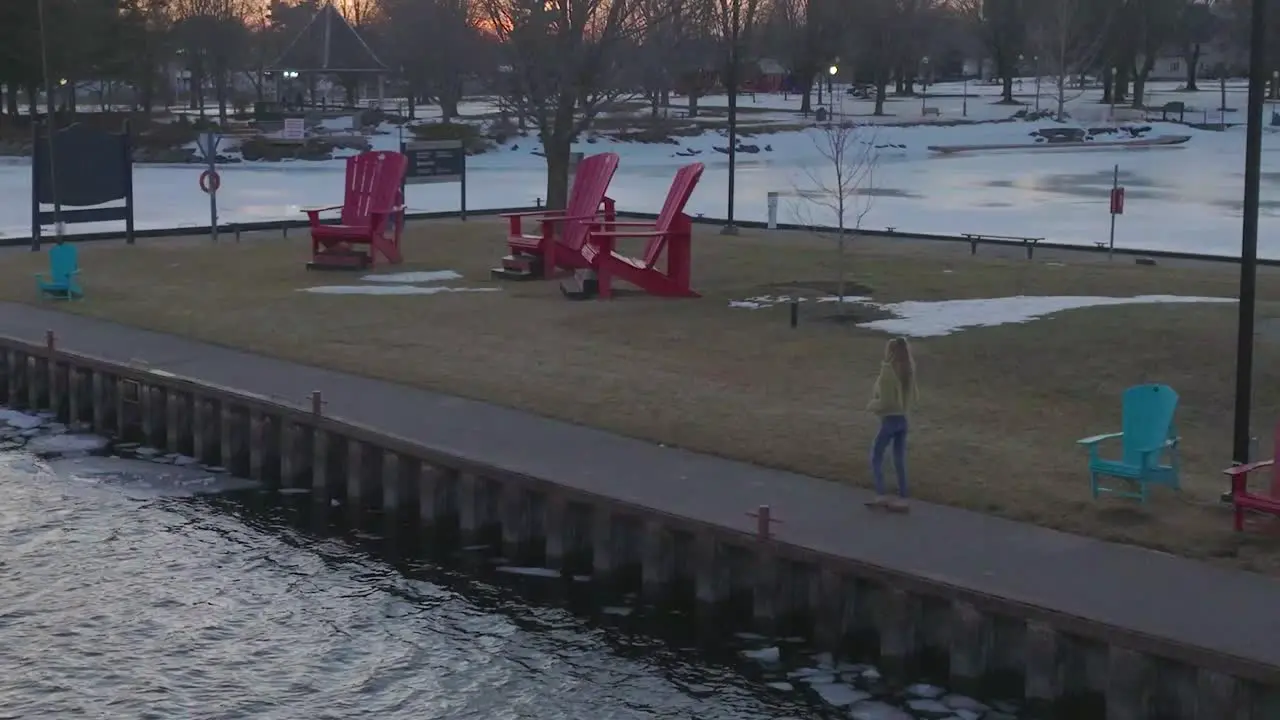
(72, 452)
(858, 690)
(915, 318)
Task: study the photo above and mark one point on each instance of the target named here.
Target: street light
(732, 78)
(831, 93)
(924, 85)
(1036, 60)
(1115, 89)
(59, 228)
(1249, 233)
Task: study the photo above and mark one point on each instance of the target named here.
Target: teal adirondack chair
(1149, 445)
(62, 281)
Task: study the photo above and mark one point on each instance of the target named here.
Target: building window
(1175, 66)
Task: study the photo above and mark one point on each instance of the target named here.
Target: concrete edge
(1095, 630)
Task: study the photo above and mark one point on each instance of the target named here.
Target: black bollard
(795, 312)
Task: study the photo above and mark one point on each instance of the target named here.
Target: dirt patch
(1001, 407)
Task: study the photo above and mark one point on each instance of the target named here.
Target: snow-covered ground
(1183, 198)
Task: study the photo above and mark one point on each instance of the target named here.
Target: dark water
(122, 596)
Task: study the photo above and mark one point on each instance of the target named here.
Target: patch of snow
(930, 708)
(934, 319)
(426, 276)
(917, 318)
(619, 611)
(822, 677)
(389, 290)
(529, 571)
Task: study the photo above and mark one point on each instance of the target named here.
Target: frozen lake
(1184, 198)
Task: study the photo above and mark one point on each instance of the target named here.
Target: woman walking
(891, 399)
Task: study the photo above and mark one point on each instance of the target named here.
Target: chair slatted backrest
(590, 184)
(63, 261)
(1147, 419)
(373, 185)
(677, 198)
(1274, 489)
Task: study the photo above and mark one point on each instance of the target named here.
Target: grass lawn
(1001, 406)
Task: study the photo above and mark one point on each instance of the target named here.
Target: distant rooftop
(329, 44)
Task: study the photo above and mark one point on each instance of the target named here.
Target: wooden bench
(1027, 242)
(926, 112)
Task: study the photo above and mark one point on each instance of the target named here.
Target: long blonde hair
(897, 352)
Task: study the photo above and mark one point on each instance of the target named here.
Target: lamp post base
(729, 229)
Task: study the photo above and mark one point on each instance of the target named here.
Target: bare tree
(564, 68)
(1068, 39)
(844, 185)
(1002, 25)
(437, 44)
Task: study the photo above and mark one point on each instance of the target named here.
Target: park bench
(926, 112)
(1242, 500)
(1027, 242)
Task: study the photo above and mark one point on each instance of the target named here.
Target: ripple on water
(126, 593)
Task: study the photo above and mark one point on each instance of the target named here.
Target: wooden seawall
(746, 577)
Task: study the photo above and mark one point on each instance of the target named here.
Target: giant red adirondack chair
(561, 233)
(372, 213)
(672, 231)
(1243, 500)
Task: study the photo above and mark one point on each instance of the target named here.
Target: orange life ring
(210, 181)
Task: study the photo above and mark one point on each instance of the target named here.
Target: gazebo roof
(329, 44)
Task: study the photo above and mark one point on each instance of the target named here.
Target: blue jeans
(893, 430)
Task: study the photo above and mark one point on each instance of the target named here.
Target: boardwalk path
(1231, 612)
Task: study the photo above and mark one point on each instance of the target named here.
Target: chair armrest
(1098, 438)
(532, 213)
(1248, 468)
(568, 218)
(1171, 442)
(310, 210)
(633, 223)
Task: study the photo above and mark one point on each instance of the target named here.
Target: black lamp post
(1249, 235)
(51, 122)
(731, 80)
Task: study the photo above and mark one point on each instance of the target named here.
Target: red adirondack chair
(561, 233)
(672, 231)
(1244, 500)
(372, 215)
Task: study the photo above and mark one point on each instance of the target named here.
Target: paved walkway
(1231, 612)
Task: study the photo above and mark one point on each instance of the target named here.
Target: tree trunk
(11, 98)
(33, 102)
(1193, 61)
(449, 98)
(557, 152)
(694, 93)
(806, 99)
(1140, 80)
(1108, 83)
(882, 87)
